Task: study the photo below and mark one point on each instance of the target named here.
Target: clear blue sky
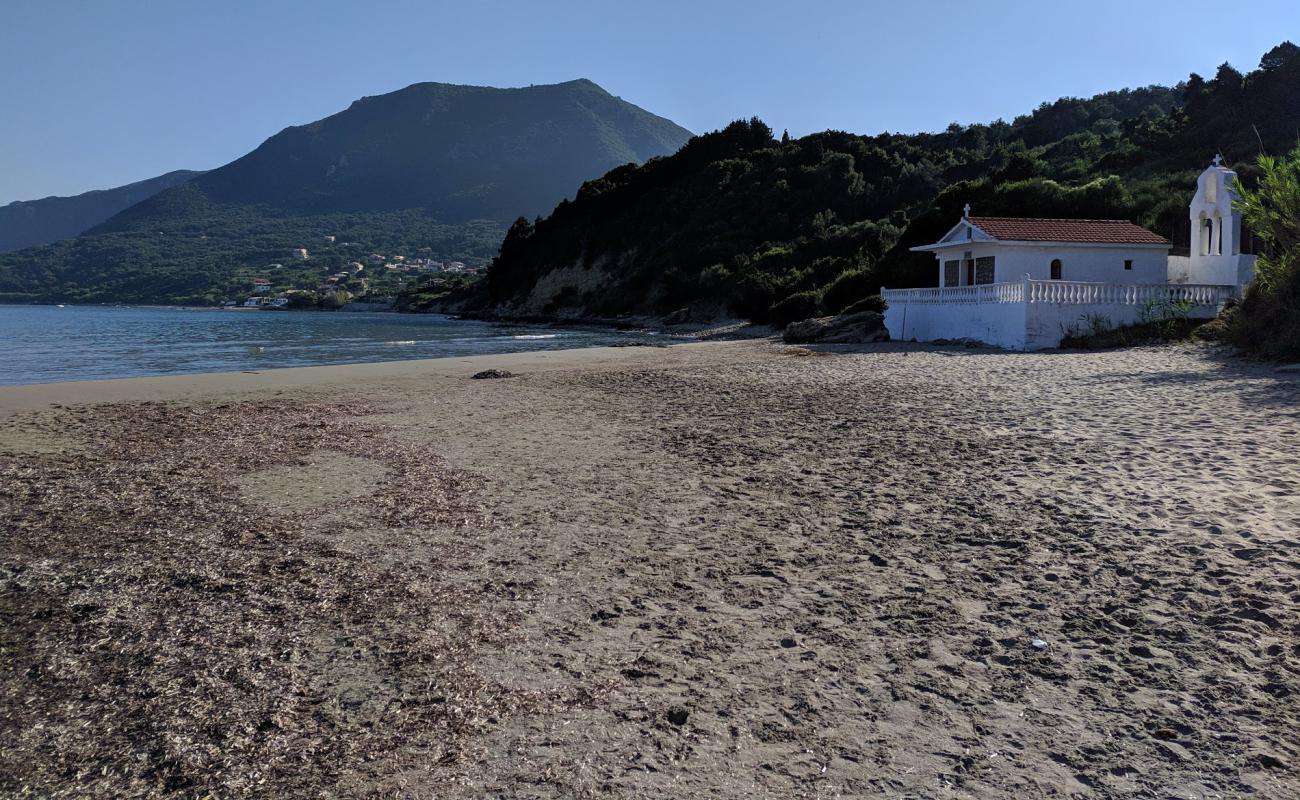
(97, 93)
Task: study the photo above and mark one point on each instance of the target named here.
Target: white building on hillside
(1024, 283)
(982, 250)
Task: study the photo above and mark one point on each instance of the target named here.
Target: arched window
(1056, 269)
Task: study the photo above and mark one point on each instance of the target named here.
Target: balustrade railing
(1065, 293)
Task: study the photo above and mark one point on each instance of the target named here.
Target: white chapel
(1023, 283)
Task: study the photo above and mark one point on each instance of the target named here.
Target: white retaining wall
(998, 324)
(1032, 315)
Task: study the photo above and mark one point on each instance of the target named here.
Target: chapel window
(951, 273)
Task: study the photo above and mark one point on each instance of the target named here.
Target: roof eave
(926, 248)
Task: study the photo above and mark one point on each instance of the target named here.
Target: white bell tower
(1215, 252)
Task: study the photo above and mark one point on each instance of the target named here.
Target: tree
(1279, 56)
(1269, 323)
(1272, 211)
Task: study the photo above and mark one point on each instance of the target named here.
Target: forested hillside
(27, 223)
(742, 222)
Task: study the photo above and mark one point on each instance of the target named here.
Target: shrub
(873, 302)
(1269, 324)
(1097, 333)
(1222, 327)
(847, 289)
(796, 307)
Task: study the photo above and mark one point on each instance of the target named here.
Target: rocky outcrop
(679, 317)
(860, 328)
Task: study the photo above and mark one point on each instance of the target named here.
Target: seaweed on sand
(163, 635)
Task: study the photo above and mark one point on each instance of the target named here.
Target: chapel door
(970, 272)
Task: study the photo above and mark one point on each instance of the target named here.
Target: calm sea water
(41, 344)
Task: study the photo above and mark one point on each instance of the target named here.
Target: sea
(48, 343)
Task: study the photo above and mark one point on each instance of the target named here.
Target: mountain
(459, 152)
(27, 223)
(434, 169)
(741, 222)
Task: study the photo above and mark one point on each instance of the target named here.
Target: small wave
(537, 336)
(401, 341)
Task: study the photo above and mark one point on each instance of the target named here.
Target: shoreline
(621, 324)
(36, 396)
(432, 335)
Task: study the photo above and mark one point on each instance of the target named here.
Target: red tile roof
(1102, 231)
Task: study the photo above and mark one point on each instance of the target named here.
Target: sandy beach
(727, 569)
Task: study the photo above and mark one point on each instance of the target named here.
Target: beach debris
(1038, 644)
(601, 614)
(493, 373)
(1168, 734)
(788, 643)
(632, 673)
(1270, 761)
(678, 715)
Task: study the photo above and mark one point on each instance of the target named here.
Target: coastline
(209, 385)
(630, 323)
(137, 341)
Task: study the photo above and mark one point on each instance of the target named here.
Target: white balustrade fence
(1030, 314)
(1065, 293)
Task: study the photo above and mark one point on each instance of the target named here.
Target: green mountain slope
(27, 223)
(433, 169)
(459, 152)
(740, 222)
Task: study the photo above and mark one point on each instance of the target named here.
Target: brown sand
(730, 569)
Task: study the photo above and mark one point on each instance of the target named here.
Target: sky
(98, 93)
